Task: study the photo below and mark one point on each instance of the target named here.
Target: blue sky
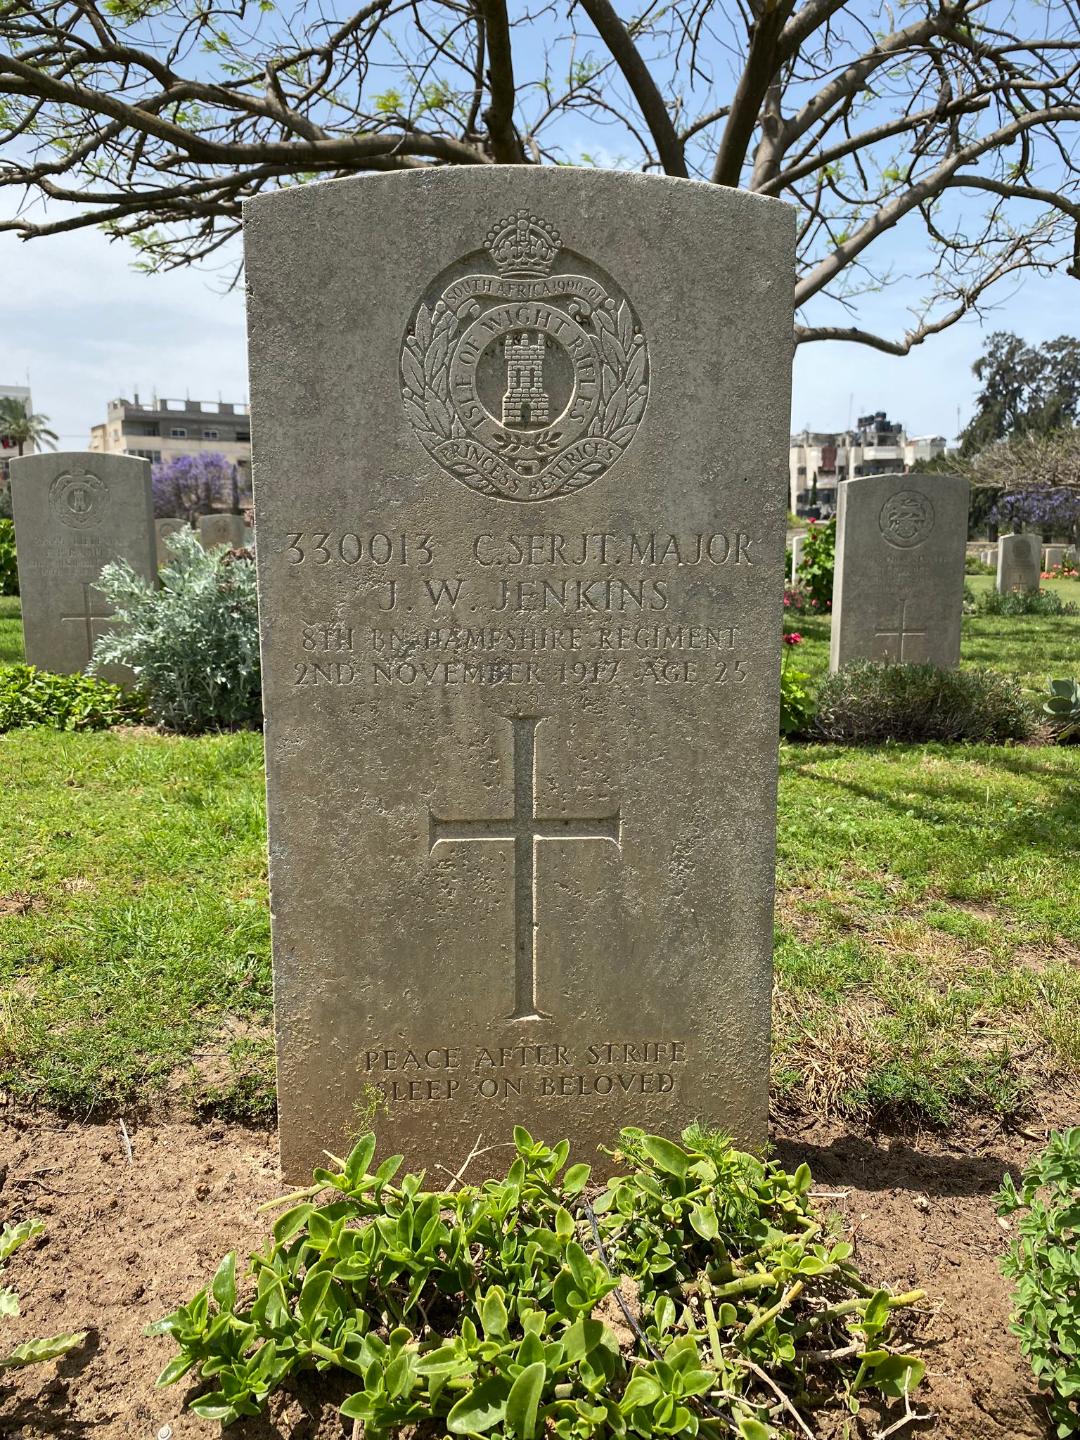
(86, 327)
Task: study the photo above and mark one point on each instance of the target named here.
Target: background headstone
(162, 528)
(1053, 555)
(521, 678)
(989, 557)
(796, 556)
(221, 529)
(1019, 561)
(898, 588)
(75, 511)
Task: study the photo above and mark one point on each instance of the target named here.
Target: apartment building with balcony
(821, 461)
(166, 428)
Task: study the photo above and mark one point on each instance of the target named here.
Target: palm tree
(21, 427)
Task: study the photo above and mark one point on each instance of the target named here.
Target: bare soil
(127, 1241)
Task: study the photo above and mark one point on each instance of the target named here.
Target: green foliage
(9, 570)
(815, 573)
(480, 1308)
(1045, 1263)
(31, 1352)
(1011, 603)
(1026, 389)
(1063, 707)
(29, 696)
(796, 699)
(194, 643)
(974, 566)
(866, 702)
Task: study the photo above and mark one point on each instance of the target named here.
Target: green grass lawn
(1030, 647)
(928, 917)
(11, 642)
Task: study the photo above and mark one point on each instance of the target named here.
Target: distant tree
(1026, 389)
(188, 485)
(20, 426)
(1031, 480)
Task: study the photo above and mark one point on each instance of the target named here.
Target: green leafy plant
(29, 696)
(1063, 708)
(1044, 1261)
(815, 573)
(1012, 603)
(973, 565)
(9, 570)
(31, 1352)
(866, 702)
(796, 700)
(696, 1293)
(193, 644)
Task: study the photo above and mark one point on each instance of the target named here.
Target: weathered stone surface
(1018, 562)
(75, 511)
(521, 629)
(221, 529)
(1052, 555)
(898, 589)
(163, 528)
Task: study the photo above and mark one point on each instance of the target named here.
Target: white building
(166, 428)
(819, 461)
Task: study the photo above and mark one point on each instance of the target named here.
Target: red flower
(793, 639)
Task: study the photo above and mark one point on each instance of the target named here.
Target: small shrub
(1067, 570)
(1011, 603)
(31, 1352)
(1045, 1263)
(29, 696)
(1063, 708)
(796, 701)
(194, 643)
(697, 1292)
(974, 566)
(9, 570)
(866, 702)
(815, 573)
(799, 601)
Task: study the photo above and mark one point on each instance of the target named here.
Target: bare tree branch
(499, 116)
(156, 119)
(617, 38)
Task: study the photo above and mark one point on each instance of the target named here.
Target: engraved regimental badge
(524, 370)
(79, 500)
(906, 519)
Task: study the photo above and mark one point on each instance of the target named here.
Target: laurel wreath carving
(623, 390)
(426, 392)
(623, 383)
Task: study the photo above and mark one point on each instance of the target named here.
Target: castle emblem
(524, 378)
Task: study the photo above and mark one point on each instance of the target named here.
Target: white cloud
(86, 327)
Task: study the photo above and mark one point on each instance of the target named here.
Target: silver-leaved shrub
(193, 644)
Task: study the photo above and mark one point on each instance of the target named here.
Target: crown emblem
(523, 245)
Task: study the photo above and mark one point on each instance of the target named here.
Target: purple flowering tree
(1034, 481)
(189, 485)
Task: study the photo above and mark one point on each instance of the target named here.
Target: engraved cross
(525, 829)
(900, 634)
(87, 617)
